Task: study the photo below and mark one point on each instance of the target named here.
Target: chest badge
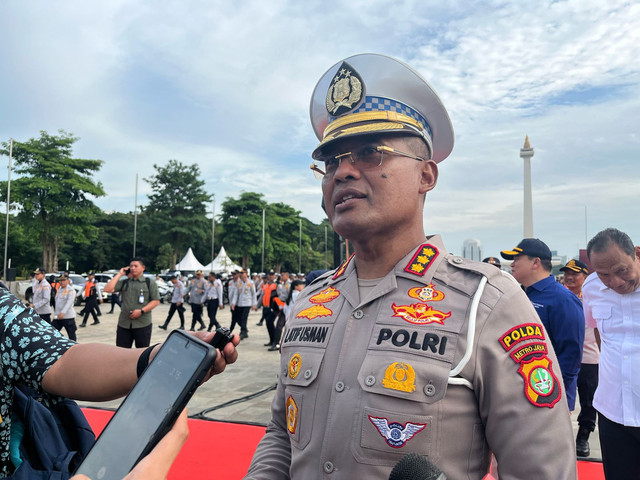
(427, 293)
(395, 434)
(314, 311)
(292, 415)
(419, 314)
(400, 376)
(325, 295)
(294, 365)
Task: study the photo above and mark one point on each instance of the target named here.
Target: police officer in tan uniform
(406, 347)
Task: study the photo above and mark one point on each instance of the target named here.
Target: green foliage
(242, 220)
(165, 257)
(241, 224)
(177, 208)
(52, 193)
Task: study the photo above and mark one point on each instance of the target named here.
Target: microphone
(414, 466)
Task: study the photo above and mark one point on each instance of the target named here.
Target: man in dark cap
(405, 347)
(493, 261)
(575, 273)
(558, 309)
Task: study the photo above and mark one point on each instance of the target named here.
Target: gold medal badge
(427, 293)
(345, 92)
(400, 376)
(294, 365)
(292, 415)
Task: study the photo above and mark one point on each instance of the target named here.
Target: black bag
(55, 439)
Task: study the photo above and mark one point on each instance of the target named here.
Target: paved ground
(255, 371)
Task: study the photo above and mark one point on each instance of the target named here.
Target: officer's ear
(428, 175)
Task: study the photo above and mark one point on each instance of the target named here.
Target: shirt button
(307, 374)
(457, 260)
(328, 467)
(370, 381)
(429, 390)
(339, 386)
(358, 314)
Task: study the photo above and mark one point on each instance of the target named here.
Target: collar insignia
(395, 434)
(420, 262)
(419, 314)
(400, 376)
(343, 267)
(345, 91)
(427, 293)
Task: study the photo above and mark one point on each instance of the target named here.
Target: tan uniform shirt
(417, 366)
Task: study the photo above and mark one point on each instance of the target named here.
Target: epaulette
(486, 269)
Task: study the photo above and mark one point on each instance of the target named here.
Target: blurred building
(472, 249)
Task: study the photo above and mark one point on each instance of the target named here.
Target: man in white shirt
(611, 297)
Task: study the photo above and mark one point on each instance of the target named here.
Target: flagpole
(262, 267)
(135, 219)
(213, 228)
(6, 230)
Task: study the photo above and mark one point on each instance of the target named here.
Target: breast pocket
(602, 315)
(299, 377)
(401, 409)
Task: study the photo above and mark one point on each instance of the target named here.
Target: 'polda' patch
(517, 334)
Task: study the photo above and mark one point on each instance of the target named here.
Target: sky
(226, 85)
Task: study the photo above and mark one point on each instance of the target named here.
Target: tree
(165, 257)
(177, 208)
(52, 192)
(242, 222)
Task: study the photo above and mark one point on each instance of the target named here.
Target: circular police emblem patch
(541, 381)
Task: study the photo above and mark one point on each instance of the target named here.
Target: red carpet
(224, 450)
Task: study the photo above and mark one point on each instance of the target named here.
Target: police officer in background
(41, 294)
(405, 347)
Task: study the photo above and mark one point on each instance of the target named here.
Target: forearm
(110, 286)
(93, 372)
(151, 305)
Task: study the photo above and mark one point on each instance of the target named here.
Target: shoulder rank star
(423, 257)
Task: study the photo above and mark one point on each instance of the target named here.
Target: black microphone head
(414, 466)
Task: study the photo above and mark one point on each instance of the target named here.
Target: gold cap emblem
(345, 91)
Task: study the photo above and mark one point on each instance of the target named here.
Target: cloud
(227, 86)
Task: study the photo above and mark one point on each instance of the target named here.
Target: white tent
(189, 263)
(221, 264)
